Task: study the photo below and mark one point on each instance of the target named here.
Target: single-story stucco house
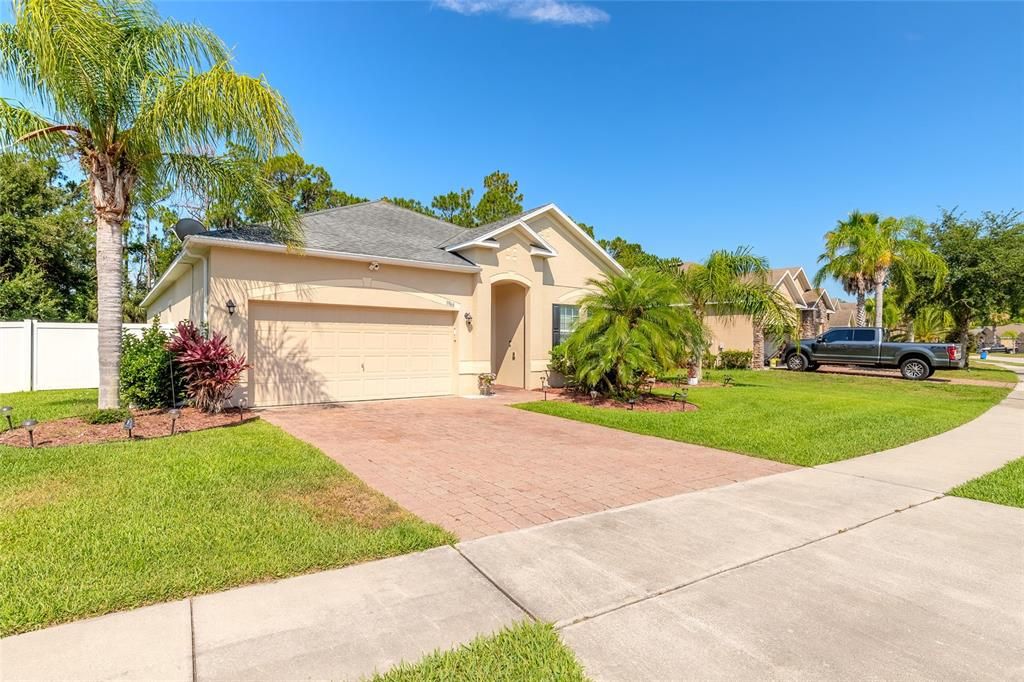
(814, 306)
(383, 302)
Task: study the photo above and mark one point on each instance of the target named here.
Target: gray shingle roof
(373, 228)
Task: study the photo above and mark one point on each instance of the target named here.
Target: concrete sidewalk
(848, 570)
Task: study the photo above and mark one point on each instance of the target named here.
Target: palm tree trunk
(879, 295)
(110, 189)
(861, 312)
(757, 356)
(910, 330)
(108, 313)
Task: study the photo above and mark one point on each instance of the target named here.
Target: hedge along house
(383, 302)
(814, 307)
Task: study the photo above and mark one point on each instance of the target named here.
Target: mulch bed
(644, 403)
(148, 424)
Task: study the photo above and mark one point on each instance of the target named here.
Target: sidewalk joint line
(496, 586)
(876, 480)
(192, 633)
(675, 588)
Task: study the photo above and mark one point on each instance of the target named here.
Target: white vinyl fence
(36, 356)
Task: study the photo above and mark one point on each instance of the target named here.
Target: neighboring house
(1010, 335)
(845, 315)
(814, 306)
(383, 302)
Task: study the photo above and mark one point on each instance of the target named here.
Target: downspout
(205, 303)
(206, 293)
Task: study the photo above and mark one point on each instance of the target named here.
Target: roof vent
(187, 226)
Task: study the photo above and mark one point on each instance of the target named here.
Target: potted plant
(691, 374)
(486, 380)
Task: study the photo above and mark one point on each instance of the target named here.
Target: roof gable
(480, 236)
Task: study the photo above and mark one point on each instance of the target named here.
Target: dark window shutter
(554, 325)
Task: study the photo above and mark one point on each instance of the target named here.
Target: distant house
(845, 315)
(814, 306)
(1011, 335)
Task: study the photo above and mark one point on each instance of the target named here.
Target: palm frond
(183, 108)
(227, 179)
(19, 124)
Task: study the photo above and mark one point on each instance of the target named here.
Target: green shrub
(146, 370)
(709, 360)
(560, 361)
(735, 359)
(111, 416)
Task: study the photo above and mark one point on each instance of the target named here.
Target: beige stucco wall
(183, 299)
(730, 333)
(244, 275)
(737, 332)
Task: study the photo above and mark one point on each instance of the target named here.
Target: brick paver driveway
(479, 467)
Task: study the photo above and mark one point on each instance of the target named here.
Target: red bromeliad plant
(210, 365)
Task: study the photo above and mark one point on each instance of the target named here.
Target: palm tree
(730, 283)
(633, 327)
(892, 314)
(894, 254)
(870, 251)
(933, 324)
(135, 99)
(843, 261)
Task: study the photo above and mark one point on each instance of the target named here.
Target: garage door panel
(398, 341)
(305, 353)
(398, 364)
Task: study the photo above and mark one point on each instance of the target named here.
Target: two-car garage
(307, 353)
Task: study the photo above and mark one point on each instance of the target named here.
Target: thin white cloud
(539, 11)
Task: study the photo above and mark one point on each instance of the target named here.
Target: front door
(508, 340)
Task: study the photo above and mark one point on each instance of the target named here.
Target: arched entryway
(508, 333)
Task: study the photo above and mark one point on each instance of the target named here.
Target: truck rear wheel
(796, 363)
(915, 369)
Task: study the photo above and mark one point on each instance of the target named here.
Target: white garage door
(314, 354)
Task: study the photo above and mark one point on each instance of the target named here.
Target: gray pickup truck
(868, 346)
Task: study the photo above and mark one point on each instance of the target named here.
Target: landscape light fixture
(30, 425)
(231, 307)
(241, 408)
(632, 402)
(593, 396)
(129, 426)
(174, 415)
(544, 386)
(6, 411)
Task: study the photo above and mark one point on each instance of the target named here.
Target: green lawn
(804, 419)
(47, 405)
(1002, 486)
(90, 529)
(530, 651)
(981, 370)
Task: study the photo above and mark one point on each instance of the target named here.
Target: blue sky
(684, 126)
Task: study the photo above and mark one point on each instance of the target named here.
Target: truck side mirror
(821, 338)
